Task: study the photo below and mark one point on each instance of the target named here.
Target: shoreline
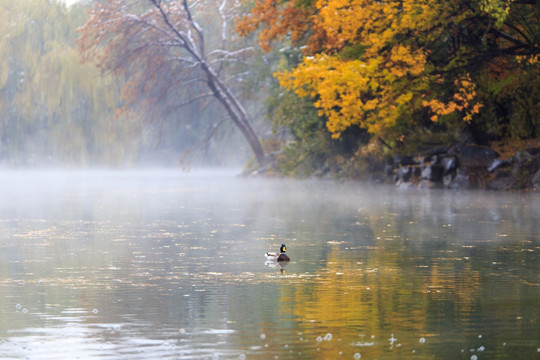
(456, 167)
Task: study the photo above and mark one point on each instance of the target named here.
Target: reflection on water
(129, 265)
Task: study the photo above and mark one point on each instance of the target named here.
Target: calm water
(164, 265)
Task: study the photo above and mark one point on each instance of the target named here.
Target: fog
(60, 111)
(130, 234)
(160, 263)
(31, 189)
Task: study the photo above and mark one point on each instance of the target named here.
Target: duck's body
(280, 257)
(283, 257)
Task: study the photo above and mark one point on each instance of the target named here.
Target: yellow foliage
(372, 23)
(462, 100)
(530, 59)
(356, 92)
(379, 59)
(370, 92)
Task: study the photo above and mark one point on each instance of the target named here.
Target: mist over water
(165, 264)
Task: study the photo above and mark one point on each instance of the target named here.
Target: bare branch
(510, 38)
(185, 60)
(194, 4)
(177, 33)
(227, 54)
(195, 98)
(193, 81)
(213, 130)
(161, 48)
(224, 24)
(196, 26)
(222, 61)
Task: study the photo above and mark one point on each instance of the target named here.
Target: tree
(55, 109)
(375, 64)
(162, 48)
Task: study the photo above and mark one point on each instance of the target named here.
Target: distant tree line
(341, 82)
(55, 110)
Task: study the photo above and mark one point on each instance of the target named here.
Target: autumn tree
(172, 47)
(377, 65)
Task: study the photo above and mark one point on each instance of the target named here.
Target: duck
(279, 257)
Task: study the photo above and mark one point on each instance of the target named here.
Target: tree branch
(505, 36)
(226, 53)
(165, 18)
(196, 26)
(195, 98)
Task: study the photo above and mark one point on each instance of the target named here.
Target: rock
(439, 151)
(533, 151)
(521, 158)
(403, 160)
(405, 185)
(497, 163)
(388, 169)
(322, 171)
(404, 173)
(427, 184)
(476, 156)
(449, 164)
(432, 173)
(478, 178)
(461, 181)
(501, 184)
(416, 171)
(447, 179)
(524, 172)
(466, 166)
(536, 181)
(503, 173)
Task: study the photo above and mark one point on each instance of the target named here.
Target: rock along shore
(466, 167)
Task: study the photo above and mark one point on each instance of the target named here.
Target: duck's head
(282, 248)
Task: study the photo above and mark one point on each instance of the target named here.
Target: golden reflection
(352, 305)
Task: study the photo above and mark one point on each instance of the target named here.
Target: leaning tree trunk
(123, 41)
(219, 89)
(235, 110)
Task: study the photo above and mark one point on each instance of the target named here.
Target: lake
(168, 265)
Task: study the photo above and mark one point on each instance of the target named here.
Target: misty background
(57, 111)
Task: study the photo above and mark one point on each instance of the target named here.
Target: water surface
(167, 265)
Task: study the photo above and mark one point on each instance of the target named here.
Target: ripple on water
(163, 259)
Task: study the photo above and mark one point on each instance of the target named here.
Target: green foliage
(498, 9)
(352, 52)
(473, 75)
(308, 147)
(54, 109)
(512, 106)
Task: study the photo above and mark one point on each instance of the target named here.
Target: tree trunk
(220, 90)
(236, 111)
